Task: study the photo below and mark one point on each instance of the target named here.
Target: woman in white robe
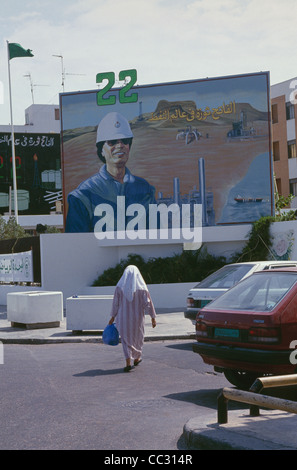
(131, 302)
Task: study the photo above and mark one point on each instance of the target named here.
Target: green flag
(15, 50)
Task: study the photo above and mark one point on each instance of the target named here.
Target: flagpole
(15, 194)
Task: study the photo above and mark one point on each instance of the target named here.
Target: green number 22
(110, 77)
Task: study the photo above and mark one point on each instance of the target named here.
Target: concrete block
(42, 309)
(88, 312)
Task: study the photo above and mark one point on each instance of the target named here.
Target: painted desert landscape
(168, 143)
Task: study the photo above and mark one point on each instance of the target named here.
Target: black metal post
(222, 409)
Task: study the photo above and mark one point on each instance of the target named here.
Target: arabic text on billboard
(38, 173)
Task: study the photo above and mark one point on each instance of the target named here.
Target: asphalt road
(76, 396)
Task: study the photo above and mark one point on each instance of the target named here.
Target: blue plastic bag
(110, 335)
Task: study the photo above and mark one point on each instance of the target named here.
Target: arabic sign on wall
(38, 172)
(224, 121)
(16, 267)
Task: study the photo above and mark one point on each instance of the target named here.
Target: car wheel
(242, 380)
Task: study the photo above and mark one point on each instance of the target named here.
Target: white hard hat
(113, 126)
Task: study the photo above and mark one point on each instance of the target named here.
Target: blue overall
(102, 188)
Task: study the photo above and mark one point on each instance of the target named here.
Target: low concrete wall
(91, 309)
(164, 296)
(71, 262)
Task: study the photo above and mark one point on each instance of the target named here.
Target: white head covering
(131, 281)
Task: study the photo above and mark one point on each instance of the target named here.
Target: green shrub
(11, 229)
(193, 266)
(189, 266)
(258, 244)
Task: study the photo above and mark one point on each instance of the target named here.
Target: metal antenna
(82, 74)
(32, 85)
(63, 70)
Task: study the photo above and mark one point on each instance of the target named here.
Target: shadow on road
(98, 372)
(206, 398)
(182, 346)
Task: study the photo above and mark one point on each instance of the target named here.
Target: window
(293, 187)
(290, 111)
(57, 114)
(258, 292)
(274, 114)
(276, 154)
(225, 277)
(292, 149)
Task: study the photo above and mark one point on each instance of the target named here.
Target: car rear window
(225, 277)
(258, 292)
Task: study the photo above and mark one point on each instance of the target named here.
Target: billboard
(204, 142)
(38, 172)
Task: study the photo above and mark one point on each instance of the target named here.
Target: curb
(206, 434)
(88, 339)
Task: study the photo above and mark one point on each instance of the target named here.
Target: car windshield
(258, 292)
(225, 277)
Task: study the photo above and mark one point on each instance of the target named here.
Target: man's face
(116, 152)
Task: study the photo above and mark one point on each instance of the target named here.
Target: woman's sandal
(137, 361)
(128, 368)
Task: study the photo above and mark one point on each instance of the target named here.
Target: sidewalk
(169, 326)
(272, 430)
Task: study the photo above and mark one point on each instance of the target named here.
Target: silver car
(220, 281)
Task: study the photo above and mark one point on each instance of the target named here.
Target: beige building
(284, 131)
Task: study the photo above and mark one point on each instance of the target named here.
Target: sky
(164, 40)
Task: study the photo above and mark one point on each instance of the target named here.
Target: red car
(246, 332)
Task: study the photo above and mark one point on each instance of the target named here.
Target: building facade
(38, 168)
(284, 131)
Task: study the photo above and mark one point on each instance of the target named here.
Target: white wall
(30, 221)
(38, 118)
(225, 240)
(71, 262)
